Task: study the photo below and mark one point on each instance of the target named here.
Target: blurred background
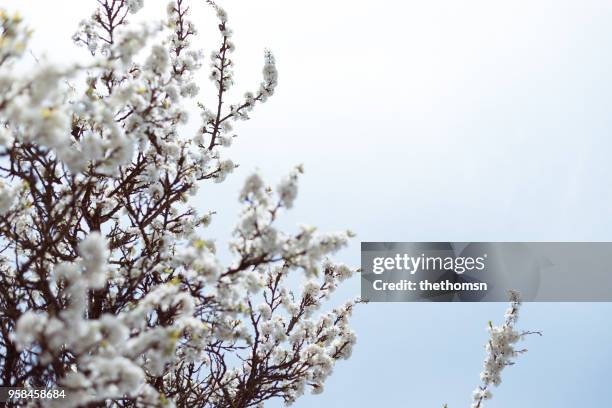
(424, 121)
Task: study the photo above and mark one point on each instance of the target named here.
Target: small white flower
(94, 255)
(29, 327)
(134, 5)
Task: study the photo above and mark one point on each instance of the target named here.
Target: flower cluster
(501, 351)
(8, 195)
(108, 285)
(13, 37)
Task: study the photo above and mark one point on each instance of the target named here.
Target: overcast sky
(437, 120)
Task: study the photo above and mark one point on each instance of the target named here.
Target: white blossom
(7, 197)
(94, 254)
(135, 5)
(29, 327)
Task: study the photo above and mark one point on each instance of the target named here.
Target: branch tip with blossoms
(501, 350)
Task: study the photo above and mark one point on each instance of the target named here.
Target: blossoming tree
(107, 287)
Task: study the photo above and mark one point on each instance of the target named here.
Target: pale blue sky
(416, 121)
